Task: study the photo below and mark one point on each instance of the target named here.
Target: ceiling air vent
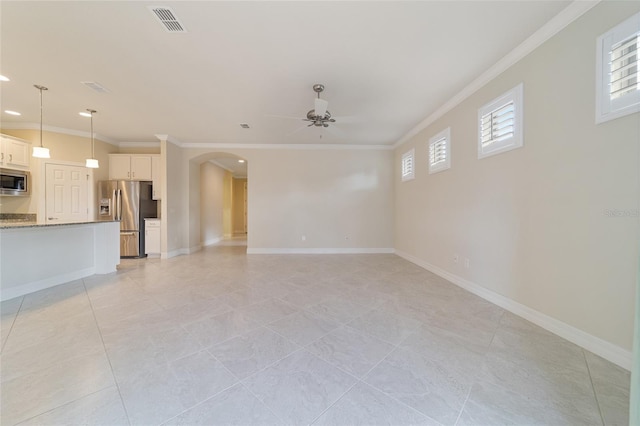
(95, 86)
(168, 19)
(244, 125)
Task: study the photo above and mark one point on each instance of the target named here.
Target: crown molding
(556, 24)
(288, 146)
(61, 130)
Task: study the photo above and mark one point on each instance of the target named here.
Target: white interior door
(66, 194)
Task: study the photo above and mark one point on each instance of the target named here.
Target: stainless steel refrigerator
(129, 202)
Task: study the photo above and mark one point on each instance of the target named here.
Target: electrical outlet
(456, 258)
(304, 238)
(466, 263)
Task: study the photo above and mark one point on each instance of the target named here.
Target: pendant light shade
(92, 163)
(40, 151)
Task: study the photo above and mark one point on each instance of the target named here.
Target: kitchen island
(37, 256)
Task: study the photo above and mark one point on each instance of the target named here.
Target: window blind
(498, 124)
(438, 151)
(407, 165)
(623, 67)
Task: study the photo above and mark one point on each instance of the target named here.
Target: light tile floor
(219, 337)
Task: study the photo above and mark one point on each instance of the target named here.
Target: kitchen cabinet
(156, 177)
(129, 167)
(152, 236)
(14, 153)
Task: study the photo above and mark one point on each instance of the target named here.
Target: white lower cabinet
(152, 236)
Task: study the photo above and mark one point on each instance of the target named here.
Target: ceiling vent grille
(95, 86)
(244, 125)
(168, 19)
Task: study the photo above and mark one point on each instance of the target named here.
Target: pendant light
(92, 163)
(40, 151)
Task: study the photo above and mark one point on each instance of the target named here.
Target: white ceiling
(385, 65)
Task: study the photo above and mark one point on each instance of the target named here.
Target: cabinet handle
(128, 174)
(52, 218)
(10, 157)
(134, 174)
(2, 156)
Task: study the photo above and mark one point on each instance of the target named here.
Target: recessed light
(240, 161)
(84, 114)
(12, 112)
(3, 78)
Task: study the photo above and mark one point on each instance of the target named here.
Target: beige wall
(227, 205)
(62, 147)
(338, 199)
(139, 150)
(238, 206)
(211, 203)
(174, 200)
(533, 221)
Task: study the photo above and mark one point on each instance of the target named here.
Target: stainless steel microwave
(15, 182)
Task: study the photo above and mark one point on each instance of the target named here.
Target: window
(500, 124)
(408, 172)
(617, 90)
(440, 151)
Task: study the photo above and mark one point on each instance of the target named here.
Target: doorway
(223, 198)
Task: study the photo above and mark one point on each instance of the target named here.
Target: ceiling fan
(319, 116)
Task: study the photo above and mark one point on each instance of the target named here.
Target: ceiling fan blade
(296, 130)
(347, 119)
(320, 107)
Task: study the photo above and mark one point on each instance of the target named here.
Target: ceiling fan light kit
(319, 116)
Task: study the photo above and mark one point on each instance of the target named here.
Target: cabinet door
(152, 240)
(156, 177)
(119, 166)
(140, 167)
(16, 153)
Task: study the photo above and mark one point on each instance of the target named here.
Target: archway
(221, 210)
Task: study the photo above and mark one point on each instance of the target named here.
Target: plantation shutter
(498, 125)
(438, 151)
(623, 67)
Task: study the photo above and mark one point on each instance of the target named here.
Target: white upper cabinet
(14, 153)
(129, 167)
(156, 177)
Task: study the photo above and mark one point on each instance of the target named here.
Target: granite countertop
(9, 224)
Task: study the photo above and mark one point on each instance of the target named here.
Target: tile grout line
(593, 388)
(475, 381)
(397, 348)
(104, 347)
(15, 317)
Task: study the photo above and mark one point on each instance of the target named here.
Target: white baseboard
(21, 290)
(189, 250)
(170, 254)
(319, 250)
(211, 241)
(606, 350)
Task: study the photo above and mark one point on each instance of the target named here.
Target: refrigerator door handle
(118, 204)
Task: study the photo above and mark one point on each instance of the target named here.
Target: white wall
(534, 221)
(211, 203)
